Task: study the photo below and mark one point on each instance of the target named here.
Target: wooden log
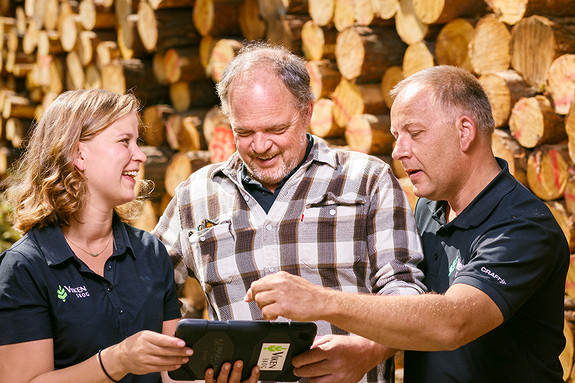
(51, 15)
(452, 44)
(409, 27)
(75, 71)
(570, 131)
(504, 89)
(136, 75)
(16, 131)
(165, 28)
(184, 131)
(252, 25)
(223, 51)
(8, 156)
(561, 83)
(129, 41)
(159, 4)
(154, 118)
(214, 118)
(354, 99)
(566, 357)
(96, 16)
(511, 12)
(548, 171)
(69, 29)
(506, 147)
(533, 122)
(15, 106)
(286, 30)
(181, 165)
(322, 123)
(343, 14)
(321, 11)
(535, 42)
(189, 94)
(49, 43)
(391, 77)
(93, 77)
(407, 187)
(569, 194)
(385, 9)
(183, 64)
(30, 39)
(363, 12)
(565, 221)
(155, 167)
(222, 144)
(324, 77)
(364, 53)
(443, 11)
(318, 42)
(490, 46)
(106, 52)
(417, 56)
(216, 17)
(369, 133)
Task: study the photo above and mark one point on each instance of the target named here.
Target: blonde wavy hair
(45, 188)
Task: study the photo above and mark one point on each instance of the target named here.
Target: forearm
(428, 322)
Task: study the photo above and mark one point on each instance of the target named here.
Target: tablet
(270, 345)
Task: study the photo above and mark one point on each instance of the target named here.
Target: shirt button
(332, 212)
(202, 238)
(109, 288)
(265, 193)
(435, 256)
(271, 270)
(120, 311)
(268, 227)
(109, 267)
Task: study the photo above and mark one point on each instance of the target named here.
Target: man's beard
(272, 176)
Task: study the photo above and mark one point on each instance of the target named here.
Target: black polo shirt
(507, 244)
(47, 292)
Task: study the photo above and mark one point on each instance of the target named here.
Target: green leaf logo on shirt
(62, 294)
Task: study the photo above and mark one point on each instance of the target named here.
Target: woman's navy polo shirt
(47, 292)
(507, 244)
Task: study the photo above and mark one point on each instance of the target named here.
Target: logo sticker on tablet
(273, 356)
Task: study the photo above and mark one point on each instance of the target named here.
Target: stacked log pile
(171, 53)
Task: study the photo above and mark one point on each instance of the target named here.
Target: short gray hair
(289, 68)
(456, 89)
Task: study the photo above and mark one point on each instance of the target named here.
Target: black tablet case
(270, 345)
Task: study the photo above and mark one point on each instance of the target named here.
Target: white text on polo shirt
(80, 291)
(493, 275)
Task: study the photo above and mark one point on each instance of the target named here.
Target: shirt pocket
(334, 227)
(215, 249)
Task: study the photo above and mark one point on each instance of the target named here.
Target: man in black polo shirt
(495, 258)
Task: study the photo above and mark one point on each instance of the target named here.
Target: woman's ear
(79, 161)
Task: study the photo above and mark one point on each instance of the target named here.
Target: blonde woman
(84, 297)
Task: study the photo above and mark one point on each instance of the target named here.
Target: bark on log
(533, 122)
(504, 89)
(369, 133)
(364, 53)
(561, 83)
(322, 123)
(490, 46)
(443, 11)
(452, 44)
(535, 42)
(504, 146)
(548, 171)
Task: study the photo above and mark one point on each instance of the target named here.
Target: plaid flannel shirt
(341, 221)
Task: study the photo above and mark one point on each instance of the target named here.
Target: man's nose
(261, 143)
(400, 149)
